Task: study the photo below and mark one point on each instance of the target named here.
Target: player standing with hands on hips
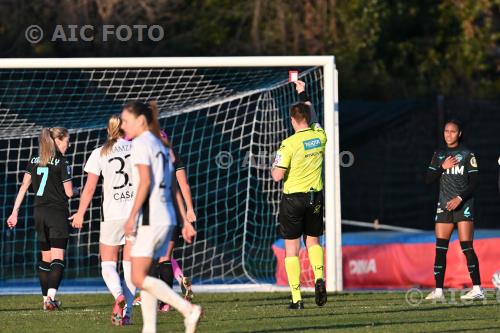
(152, 219)
(49, 174)
(456, 168)
(299, 161)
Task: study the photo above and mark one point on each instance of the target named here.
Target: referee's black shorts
(301, 214)
(52, 227)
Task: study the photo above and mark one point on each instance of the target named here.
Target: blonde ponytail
(46, 144)
(114, 133)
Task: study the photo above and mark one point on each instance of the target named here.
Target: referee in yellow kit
(299, 162)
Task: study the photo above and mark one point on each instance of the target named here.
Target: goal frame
(333, 236)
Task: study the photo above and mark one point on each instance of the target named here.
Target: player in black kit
(456, 168)
(49, 174)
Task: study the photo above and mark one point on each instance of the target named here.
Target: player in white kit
(168, 268)
(112, 162)
(152, 219)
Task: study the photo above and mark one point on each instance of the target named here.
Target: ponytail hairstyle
(114, 133)
(150, 112)
(46, 145)
(154, 126)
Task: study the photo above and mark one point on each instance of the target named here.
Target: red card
(293, 76)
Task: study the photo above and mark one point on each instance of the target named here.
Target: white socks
(164, 293)
(129, 288)
(52, 293)
(476, 288)
(149, 305)
(127, 274)
(111, 278)
(438, 291)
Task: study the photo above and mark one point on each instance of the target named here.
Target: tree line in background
(384, 49)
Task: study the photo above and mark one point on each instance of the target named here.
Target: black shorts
(301, 214)
(177, 234)
(464, 212)
(51, 225)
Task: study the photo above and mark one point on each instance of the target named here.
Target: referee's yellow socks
(292, 266)
(317, 261)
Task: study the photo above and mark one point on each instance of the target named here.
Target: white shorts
(112, 232)
(152, 241)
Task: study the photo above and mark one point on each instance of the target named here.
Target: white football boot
(435, 296)
(473, 295)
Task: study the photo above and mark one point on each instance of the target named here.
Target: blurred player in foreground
(152, 218)
(168, 268)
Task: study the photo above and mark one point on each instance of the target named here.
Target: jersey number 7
(44, 171)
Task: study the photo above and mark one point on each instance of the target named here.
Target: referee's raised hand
(449, 162)
(300, 86)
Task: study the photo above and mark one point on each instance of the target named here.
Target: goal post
(333, 225)
(213, 93)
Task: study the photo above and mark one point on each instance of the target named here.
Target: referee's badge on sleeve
(68, 169)
(277, 159)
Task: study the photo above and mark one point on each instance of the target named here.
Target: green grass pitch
(261, 312)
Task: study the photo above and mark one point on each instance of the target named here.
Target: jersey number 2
(165, 163)
(44, 171)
